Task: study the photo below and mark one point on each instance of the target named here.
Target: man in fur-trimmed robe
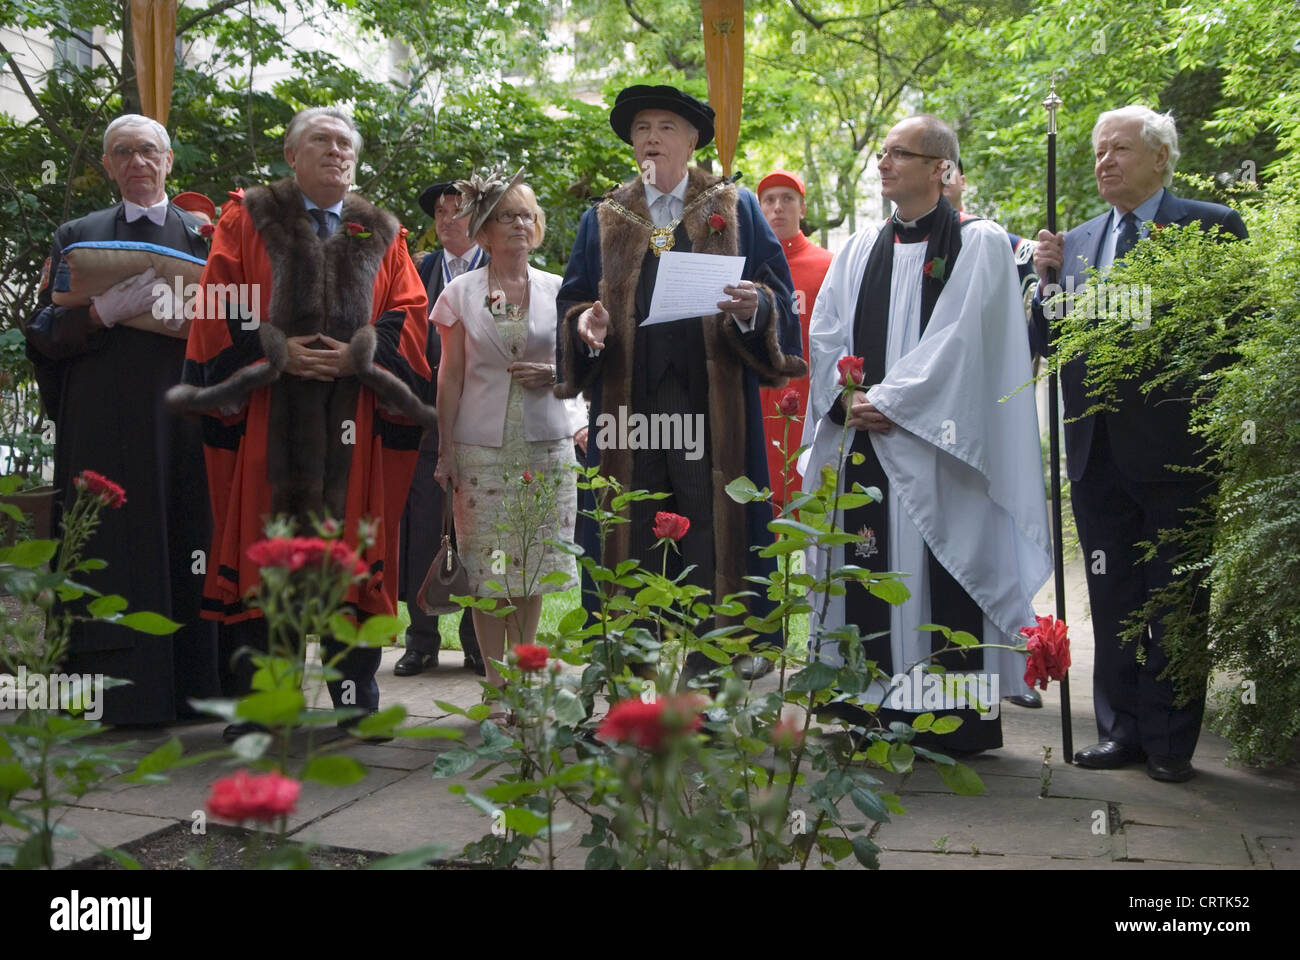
(311, 385)
(707, 369)
(930, 301)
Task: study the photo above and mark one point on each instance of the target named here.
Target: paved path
(1229, 816)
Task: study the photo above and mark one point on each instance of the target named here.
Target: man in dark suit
(102, 380)
(1124, 488)
(422, 518)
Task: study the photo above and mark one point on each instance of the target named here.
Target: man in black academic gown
(102, 383)
(422, 518)
(1125, 478)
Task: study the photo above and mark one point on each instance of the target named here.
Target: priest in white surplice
(930, 299)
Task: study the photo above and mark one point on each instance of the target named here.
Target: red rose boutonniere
(356, 231)
(206, 230)
(717, 223)
(935, 268)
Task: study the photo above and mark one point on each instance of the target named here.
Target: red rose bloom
(787, 734)
(653, 726)
(100, 487)
(717, 223)
(671, 525)
(528, 476)
(851, 370)
(1049, 651)
(788, 402)
(207, 230)
(243, 797)
(531, 656)
(295, 553)
(355, 229)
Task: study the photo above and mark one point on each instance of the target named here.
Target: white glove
(127, 299)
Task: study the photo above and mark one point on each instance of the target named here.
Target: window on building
(73, 53)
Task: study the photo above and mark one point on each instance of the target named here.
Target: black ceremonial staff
(1054, 415)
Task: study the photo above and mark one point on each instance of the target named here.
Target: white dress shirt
(157, 213)
(334, 212)
(1145, 212)
(665, 207)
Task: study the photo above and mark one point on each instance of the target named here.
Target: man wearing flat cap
(422, 518)
(704, 370)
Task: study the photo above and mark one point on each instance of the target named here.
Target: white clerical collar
(911, 224)
(157, 213)
(334, 208)
(653, 193)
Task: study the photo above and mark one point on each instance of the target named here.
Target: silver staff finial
(1051, 103)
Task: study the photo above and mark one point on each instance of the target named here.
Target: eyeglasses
(149, 152)
(510, 216)
(898, 153)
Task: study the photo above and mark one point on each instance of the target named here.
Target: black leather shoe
(1030, 700)
(1108, 755)
(413, 663)
(476, 664)
(237, 730)
(752, 667)
(1169, 769)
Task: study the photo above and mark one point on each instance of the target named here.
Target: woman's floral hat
(479, 195)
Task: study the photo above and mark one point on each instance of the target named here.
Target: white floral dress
(513, 499)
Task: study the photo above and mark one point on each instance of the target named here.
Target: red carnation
(851, 371)
(717, 223)
(788, 402)
(100, 487)
(1049, 651)
(264, 798)
(531, 657)
(653, 726)
(356, 229)
(671, 525)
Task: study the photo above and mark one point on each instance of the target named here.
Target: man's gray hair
(938, 139)
(137, 120)
(1157, 129)
(305, 118)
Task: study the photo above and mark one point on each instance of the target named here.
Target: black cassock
(104, 391)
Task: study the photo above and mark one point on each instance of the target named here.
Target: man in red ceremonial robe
(781, 195)
(309, 372)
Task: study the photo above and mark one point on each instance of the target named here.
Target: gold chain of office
(661, 238)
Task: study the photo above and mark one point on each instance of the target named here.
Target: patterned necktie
(322, 222)
(662, 213)
(1128, 235)
(455, 267)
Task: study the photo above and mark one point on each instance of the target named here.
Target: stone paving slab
(1058, 828)
(1218, 845)
(105, 827)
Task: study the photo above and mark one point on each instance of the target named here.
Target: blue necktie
(322, 222)
(1128, 235)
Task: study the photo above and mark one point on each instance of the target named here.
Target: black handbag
(447, 575)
